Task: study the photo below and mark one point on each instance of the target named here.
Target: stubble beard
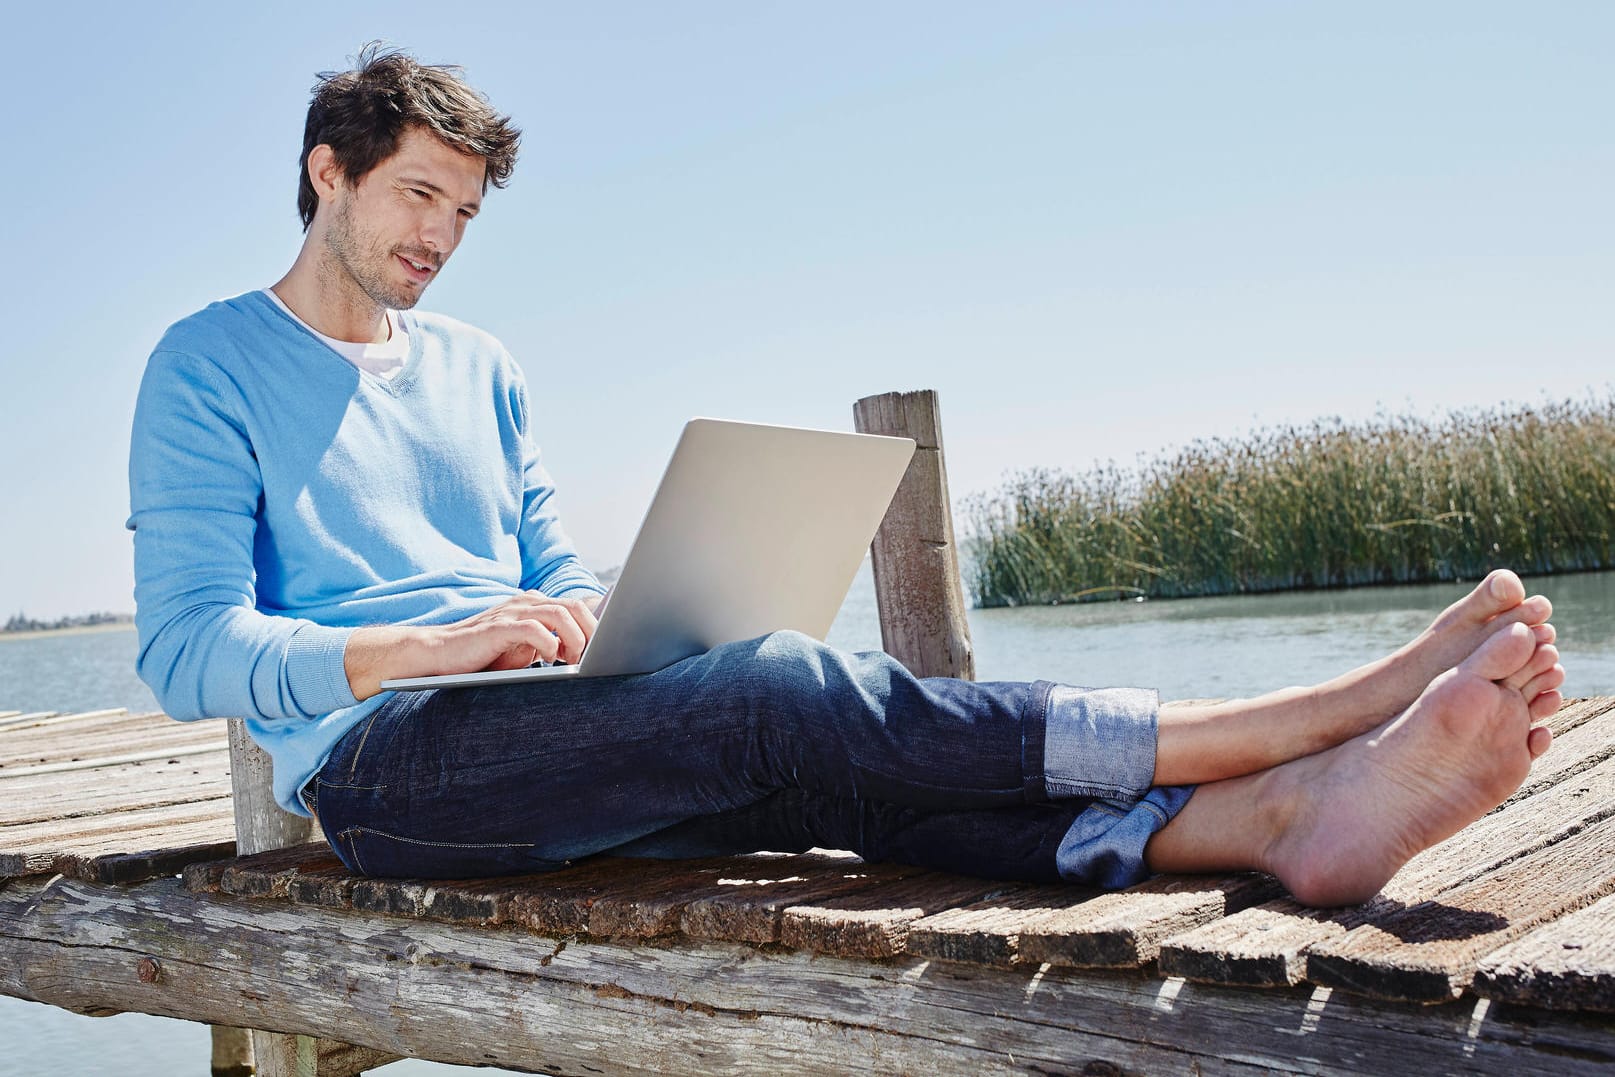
(365, 262)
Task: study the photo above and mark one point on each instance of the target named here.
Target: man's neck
(315, 293)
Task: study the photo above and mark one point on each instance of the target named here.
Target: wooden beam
(917, 584)
(504, 997)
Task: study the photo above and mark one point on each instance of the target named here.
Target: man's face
(394, 229)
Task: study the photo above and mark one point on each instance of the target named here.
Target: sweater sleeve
(549, 563)
(194, 492)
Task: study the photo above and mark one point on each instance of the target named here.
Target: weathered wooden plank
(1125, 929)
(28, 751)
(601, 896)
(1578, 711)
(55, 833)
(164, 838)
(918, 589)
(17, 718)
(132, 866)
(1568, 964)
(772, 882)
(1429, 952)
(204, 876)
(271, 873)
(142, 756)
(1263, 946)
(744, 909)
(152, 784)
(497, 997)
(987, 932)
(875, 923)
(467, 901)
(1588, 739)
(51, 718)
(1267, 945)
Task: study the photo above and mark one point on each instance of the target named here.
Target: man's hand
(531, 627)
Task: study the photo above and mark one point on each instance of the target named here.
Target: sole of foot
(1359, 811)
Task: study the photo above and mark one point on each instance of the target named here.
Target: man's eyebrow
(409, 181)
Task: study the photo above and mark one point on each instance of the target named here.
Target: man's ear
(324, 172)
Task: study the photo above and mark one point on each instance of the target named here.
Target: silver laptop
(754, 528)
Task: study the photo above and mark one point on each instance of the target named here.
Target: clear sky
(1098, 229)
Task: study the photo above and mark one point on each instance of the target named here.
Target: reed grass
(1398, 499)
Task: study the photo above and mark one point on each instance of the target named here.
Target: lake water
(1233, 646)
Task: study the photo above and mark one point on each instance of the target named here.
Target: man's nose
(438, 232)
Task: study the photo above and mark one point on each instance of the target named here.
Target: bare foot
(1496, 602)
(1198, 743)
(1358, 812)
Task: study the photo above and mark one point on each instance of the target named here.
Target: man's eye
(417, 192)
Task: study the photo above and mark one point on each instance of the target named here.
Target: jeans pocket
(380, 854)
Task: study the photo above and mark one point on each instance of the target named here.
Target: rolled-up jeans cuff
(1105, 845)
(1100, 742)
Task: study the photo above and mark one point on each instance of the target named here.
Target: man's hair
(361, 113)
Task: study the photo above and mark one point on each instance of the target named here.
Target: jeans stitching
(353, 852)
(353, 764)
(352, 830)
(1063, 788)
(1157, 812)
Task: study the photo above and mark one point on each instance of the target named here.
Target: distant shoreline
(74, 630)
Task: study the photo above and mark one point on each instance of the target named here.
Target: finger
(583, 612)
(569, 633)
(518, 657)
(531, 633)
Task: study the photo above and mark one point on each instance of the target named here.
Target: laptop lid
(753, 528)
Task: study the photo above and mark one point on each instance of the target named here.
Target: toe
(1500, 591)
(1543, 659)
(1504, 654)
(1546, 705)
(1545, 681)
(1538, 739)
(1497, 593)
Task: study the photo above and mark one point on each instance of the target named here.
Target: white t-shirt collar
(384, 360)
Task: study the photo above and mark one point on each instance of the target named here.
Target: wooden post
(261, 825)
(917, 584)
(232, 1052)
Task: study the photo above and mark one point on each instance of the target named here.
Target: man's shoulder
(222, 327)
(453, 333)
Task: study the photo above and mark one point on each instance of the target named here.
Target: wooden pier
(120, 891)
(1492, 952)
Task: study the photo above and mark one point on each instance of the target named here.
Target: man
(329, 489)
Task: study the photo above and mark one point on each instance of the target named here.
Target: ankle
(1283, 809)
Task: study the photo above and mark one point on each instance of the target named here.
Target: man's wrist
(380, 653)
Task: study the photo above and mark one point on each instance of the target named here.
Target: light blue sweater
(280, 498)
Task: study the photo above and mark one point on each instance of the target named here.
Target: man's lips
(419, 272)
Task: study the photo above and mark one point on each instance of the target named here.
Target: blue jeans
(778, 743)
